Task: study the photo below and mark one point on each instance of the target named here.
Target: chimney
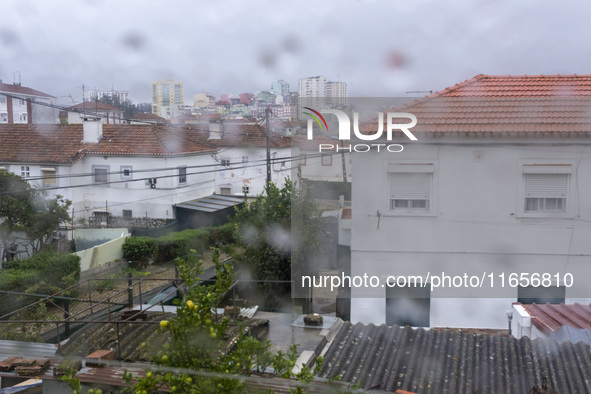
(93, 130)
(215, 130)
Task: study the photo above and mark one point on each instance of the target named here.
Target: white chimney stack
(93, 130)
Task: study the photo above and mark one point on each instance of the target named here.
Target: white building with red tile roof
(495, 188)
(141, 170)
(23, 105)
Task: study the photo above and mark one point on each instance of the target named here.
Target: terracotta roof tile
(94, 105)
(18, 89)
(550, 317)
(62, 144)
(239, 134)
(505, 106)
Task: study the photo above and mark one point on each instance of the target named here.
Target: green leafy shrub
(51, 267)
(221, 234)
(178, 244)
(140, 250)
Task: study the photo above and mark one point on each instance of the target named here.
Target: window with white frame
(545, 192)
(245, 189)
(410, 191)
(545, 189)
(2, 99)
(225, 162)
(245, 159)
(100, 174)
(25, 171)
(126, 172)
(49, 176)
(182, 175)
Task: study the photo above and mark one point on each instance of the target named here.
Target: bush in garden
(140, 250)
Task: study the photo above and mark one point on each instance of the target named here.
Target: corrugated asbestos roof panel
(211, 203)
(433, 361)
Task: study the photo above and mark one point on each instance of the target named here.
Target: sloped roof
(305, 144)
(239, 134)
(18, 89)
(549, 318)
(147, 115)
(446, 361)
(94, 106)
(62, 144)
(504, 106)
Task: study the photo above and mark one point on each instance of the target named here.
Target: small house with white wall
(488, 206)
(242, 157)
(23, 105)
(112, 170)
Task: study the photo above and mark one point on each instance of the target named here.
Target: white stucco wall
(135, 193)
(476, 222)
(254, 173)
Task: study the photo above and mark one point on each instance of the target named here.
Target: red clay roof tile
(504, 106)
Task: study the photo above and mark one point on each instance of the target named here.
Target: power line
(223, 168)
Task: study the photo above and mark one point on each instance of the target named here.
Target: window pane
(182, 175)
(419, 204)
(100, 175)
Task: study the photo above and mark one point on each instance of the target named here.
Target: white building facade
(496, 187)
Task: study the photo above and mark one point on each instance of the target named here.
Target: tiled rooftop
(505, 106)
(550, 317)
(18, 89)
(62, 144)
(93, 106)
(419, 361)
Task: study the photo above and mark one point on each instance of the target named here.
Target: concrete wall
(476, 223)
(102, 254)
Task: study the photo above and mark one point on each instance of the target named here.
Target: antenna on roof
(14, 78)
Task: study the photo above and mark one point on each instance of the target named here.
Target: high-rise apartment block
(167, 93)
(320, 87)
(97, 94)
(280, 87)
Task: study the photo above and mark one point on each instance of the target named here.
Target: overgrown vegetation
(142, 250)
(25, 209)
(278, 230)
(197, 342)
(45, 273)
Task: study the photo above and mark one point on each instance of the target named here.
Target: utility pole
(344, 164)
(268, 132)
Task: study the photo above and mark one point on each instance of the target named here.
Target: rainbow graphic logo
(316, 118)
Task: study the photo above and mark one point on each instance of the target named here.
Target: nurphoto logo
(345, 130)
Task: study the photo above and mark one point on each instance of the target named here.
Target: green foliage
(23, 208)
(140, 250)
(44, 273)
(179, 244)
(197, 340)
(275, 231)
(51, 267)
(107, 284)
(70, 378)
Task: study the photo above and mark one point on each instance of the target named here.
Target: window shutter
(541, 295)
(410, 186)
(546, 185)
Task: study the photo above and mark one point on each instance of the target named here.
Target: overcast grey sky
(380, 48)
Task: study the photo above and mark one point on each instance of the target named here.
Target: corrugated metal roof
(393, 358)
(211, 203)
(574, 335)
(550, 317)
